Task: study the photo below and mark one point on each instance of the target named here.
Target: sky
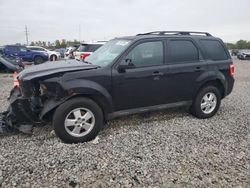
(89, 20)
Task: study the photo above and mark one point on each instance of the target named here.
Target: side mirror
(126, 64)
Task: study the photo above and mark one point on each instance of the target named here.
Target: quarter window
(182, 51)
(147, 54)
(214, 49)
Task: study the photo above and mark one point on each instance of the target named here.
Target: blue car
(25, 53)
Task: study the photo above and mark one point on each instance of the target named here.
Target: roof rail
(175, 33)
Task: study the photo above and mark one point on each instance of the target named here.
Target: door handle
(157, 73)
(198, 69)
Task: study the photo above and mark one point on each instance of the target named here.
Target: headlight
(46, 54)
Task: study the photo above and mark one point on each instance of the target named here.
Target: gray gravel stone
(167, 149)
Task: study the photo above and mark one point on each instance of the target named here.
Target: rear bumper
(230, 86)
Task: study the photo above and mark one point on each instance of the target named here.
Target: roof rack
(175, 33)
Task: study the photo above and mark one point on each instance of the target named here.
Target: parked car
(234, 52)
(61, 51)
(87, 48)
(1, 50)
(244, 55)
(11, 64)
(69, 52)
(53, 55)
(127, 75)
(25, 53)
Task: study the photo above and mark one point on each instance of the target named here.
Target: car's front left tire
(78, 120)
(38, 60)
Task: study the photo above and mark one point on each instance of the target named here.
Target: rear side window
(182, 51)
(88, 47)
(214, 49)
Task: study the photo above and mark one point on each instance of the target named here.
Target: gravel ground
(168, 149)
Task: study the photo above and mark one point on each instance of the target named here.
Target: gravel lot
(168, 149)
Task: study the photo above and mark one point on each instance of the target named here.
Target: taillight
(83, 56)
(231, 70)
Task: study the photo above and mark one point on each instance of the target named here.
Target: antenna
(26, 34)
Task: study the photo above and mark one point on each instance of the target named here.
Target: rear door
(185, 66)
(24, 53)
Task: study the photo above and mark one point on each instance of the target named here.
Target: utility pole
(80, 33)
(26, 34)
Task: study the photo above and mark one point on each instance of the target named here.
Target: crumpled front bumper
(19, 115)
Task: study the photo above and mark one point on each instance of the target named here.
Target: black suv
(127, 75)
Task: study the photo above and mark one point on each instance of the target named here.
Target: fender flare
(81, 88)
(213, 76)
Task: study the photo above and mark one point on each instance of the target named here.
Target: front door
(143, 84)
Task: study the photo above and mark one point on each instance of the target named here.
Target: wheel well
(36, 56)
(217, 83)
(99, 101)
(52, 55)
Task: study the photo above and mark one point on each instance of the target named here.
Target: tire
(53, 56)
(202, 107)
(78, 129)
(38, 60)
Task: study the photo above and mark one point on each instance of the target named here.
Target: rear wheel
(78, 120)
(53, 58)
(206, 103)
(38, 60)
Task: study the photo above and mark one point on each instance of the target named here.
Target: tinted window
(23, 49)
(37, 49)
(147, 54)
(214, 49)
(182, 50)
(12, 49)
(88, 47)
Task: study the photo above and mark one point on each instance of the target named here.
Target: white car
(87, 48)
(53, 55)
(68, 52)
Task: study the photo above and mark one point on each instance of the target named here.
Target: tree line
(55, 45)
(241, 44)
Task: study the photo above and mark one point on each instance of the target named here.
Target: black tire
(53, 57)
(38, 60)
(62, 112)
(196, 108)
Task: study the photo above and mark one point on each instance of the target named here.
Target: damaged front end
(39, 93)
(21, 114)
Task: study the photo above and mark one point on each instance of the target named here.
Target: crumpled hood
(49, 68)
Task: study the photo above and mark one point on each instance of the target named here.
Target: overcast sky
(48, 20)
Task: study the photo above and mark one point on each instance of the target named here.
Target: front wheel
(206, 103)
(78, 120)
(38, 60)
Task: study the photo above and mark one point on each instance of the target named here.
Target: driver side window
(146, 54)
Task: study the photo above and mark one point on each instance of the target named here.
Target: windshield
(108, 52)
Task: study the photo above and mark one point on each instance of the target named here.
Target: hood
(49, 68)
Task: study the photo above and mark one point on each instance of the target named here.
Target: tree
(57, 43)
(44, 44)
(63, 43)
(32, 44)
(241, 44)
(230, 46)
